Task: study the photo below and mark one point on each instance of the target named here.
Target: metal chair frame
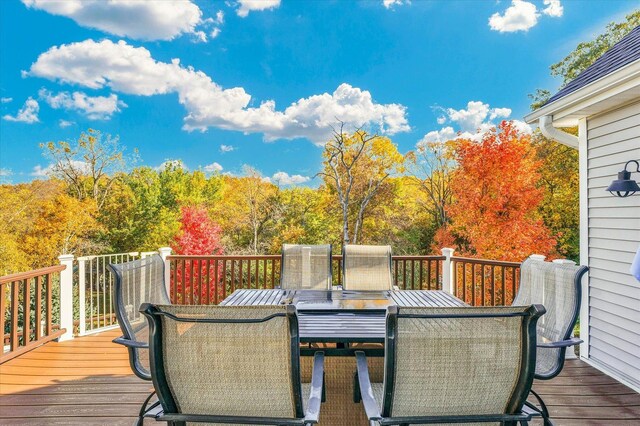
(167, 407)
(382, 415)
(329, 272)
(128, 333)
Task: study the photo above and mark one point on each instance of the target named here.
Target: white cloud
(284, 179)
(215, 32)
(390, 3)
(216, 23)
(520, 16)
(27, 114)
(247, 6)
(176, 164)
(132, 70)
(5, 100)
(93, 107)
(554, 8)
(469, 123)
(142, 20)
(5, 175)
(499, 112)
(213, 167)
(39, 171)
(227, 148)
(64, 123)
(523, 15)
(81, 167)
(219, 19)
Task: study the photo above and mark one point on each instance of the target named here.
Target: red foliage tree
(196, 279)
(496, 194)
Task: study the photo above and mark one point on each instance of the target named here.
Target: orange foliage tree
(496, 194)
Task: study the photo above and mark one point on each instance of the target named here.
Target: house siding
(613, 138)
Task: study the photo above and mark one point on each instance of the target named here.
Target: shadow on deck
(87, 381)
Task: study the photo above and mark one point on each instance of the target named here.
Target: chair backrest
(366, 267)
(557, 287)
(458, 361)
(137, 282)
(241, 361)
(306, 267)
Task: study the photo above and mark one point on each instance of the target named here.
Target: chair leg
(323, 398)
(543, 410)
(143, 409)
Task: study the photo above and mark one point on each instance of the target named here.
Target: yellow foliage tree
(355, 169)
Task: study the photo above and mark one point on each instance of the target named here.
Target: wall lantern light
(624, 186)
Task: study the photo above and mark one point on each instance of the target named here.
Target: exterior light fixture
(624, 186)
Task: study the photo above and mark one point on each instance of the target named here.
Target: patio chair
(305, 267)
(366, 267)
(557, 287)
(452, 365)
(230, 364)
(137, 282)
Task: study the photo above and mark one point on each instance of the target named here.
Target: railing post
(164, 252)
(66, 296)
(82, 290)
(447, 271)
(570, 353)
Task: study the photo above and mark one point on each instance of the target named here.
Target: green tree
(90, 166)
(585, 54)
(560, 206)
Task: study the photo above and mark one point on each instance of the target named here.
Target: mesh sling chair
(305, 267)
(366, 267)
(230, 364)
(557, 287)
(452, 365)
(137, 282)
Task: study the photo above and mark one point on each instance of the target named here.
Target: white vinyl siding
(614, 236)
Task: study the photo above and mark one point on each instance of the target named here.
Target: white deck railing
(95, 290)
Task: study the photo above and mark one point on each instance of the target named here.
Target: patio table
(342, 317)
(339, 323)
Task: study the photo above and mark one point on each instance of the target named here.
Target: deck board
(87, 381)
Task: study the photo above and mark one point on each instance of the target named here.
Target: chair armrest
(561, 344)
(317, 383)
(130, 343)
(366, 392)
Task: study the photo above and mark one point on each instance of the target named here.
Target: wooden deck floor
(87, 381)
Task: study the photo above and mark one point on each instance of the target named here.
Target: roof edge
(608, 82)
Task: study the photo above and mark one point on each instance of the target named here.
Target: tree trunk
(345, 226)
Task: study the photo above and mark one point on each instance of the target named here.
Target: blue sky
(220, 84)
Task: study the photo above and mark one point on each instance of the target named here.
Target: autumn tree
(304, 219)
(496, 197)
(248, 212)
(90, 166)
(198, 236)
(355, 168)
(142, 211)
(432, 171)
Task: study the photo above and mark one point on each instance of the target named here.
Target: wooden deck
(87, 381)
